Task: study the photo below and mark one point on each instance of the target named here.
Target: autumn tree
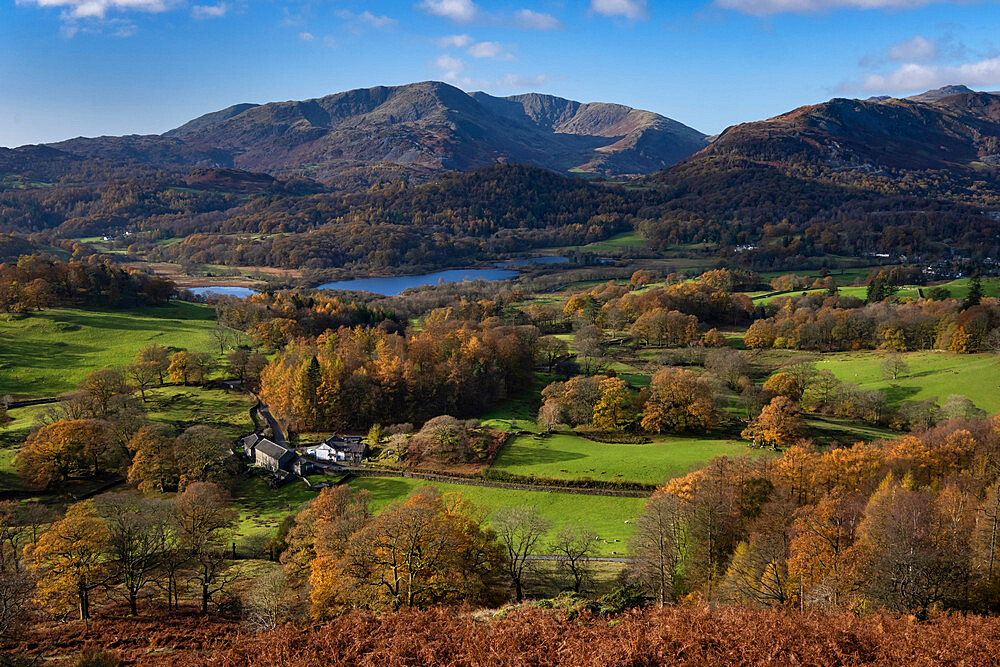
(758, 571)
(105, 388)
(203, 454)
(778, 424)
(181, 367)
(520, 530)
(785, 384)
(612, 412)
(318, 540)
(154, 460)
(571, 402)
(62, 449)
(69, 559)
(205, 519)
(427, 550)
(679, 401)
(821, 536)
(157, 357)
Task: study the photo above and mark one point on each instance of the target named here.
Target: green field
(190, 406)
(568, 456)
(48, 353)
(958, 289)
(602, 514)
(976, 376)
(262, 509)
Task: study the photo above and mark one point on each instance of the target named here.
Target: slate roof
(351, 444)
(272, 449)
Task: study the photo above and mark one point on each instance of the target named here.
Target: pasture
(570, 456)
(933, 373)
(603, 514)
(48, 353)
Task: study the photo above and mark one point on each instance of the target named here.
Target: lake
(222, 290)
(390, 286)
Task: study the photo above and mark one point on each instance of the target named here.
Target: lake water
(223, 290)
(393, 285)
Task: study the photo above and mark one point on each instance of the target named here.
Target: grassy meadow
(603, 514)
(932, 373)
(48, 353)
(570, 456)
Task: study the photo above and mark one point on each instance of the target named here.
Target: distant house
(342, 449)
(272, 456)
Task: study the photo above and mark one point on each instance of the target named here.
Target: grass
(262, 509)
(569, 456)
(49, 353)
(976, 376)
(603, 514)
(189, 406)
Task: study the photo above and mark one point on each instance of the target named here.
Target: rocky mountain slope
(420, 129)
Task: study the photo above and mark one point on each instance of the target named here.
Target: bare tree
(727, 364)
(16, 588)
(144, 375)
(657, 545)
(575, 546)
(519, 529)
(135, 539)
(267, 601)
(206, 518)
(894, 366)
(223, 337)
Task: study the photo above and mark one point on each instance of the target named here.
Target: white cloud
(915, 50)
(209, 11)
(521, 82)
(460, 11)
(306, 36)
(530, 20)
(454, 41)
(451, 68)
(79, 9)
(630, 9)
(369, 19)
(329, 41)
(765, 7)
(915, 77)
(491, 50)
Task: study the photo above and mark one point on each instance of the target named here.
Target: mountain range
(420, 129)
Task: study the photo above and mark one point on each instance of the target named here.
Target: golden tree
(778, 424)
(679, 401)
(69, 559)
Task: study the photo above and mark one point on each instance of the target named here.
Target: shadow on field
(522, 452)
(897, 394)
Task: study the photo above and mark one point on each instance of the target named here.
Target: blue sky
(91, 67)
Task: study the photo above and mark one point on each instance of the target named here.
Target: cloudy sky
(91, 67)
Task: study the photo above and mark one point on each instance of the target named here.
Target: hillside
(420, 129)
(846, 177)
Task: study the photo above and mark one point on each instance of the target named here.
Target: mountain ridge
(423, 128)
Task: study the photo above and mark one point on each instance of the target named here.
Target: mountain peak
(940, 93)
(421, 128)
